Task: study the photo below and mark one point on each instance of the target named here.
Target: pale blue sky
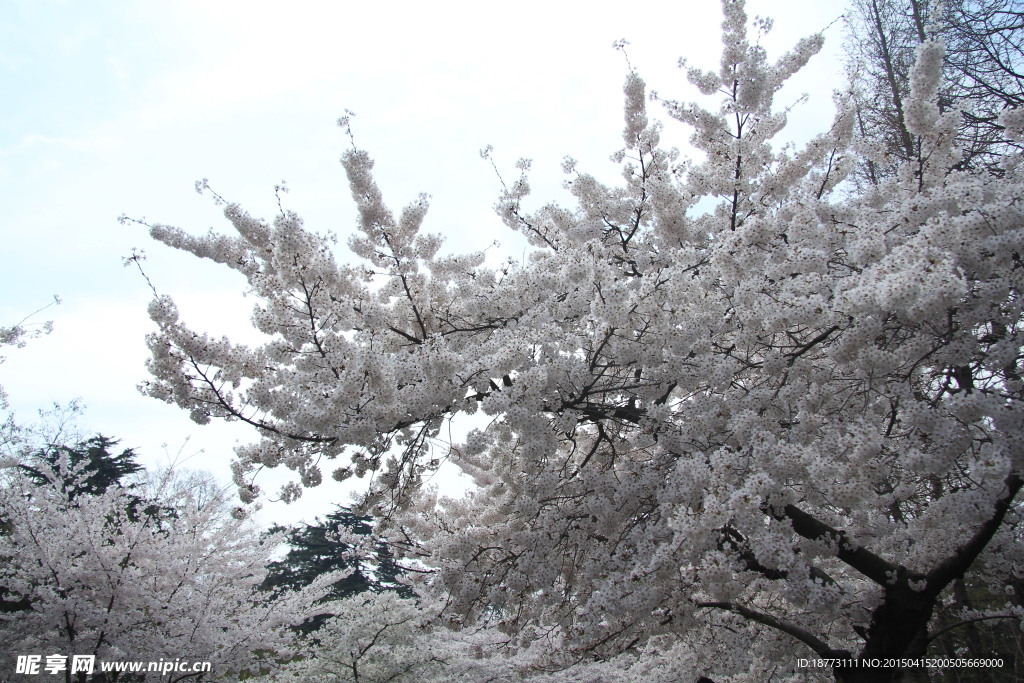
(117, 107)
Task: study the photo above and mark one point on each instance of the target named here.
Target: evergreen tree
(316, 549)
(95, 455)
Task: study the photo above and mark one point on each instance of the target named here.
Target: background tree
(317, 549)
(91, 469)
(733, 412)
(93, 457)
(12, 435)
(100, 581)
(983, 75)
(374, 637)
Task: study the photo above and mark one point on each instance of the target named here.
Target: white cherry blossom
(727, 396)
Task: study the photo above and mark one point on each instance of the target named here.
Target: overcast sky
(114, 107)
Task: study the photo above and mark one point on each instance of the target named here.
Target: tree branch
(820, 647)
(955, 566)
(863, 560)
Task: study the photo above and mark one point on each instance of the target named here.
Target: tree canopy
(737, 409)
(83, 574)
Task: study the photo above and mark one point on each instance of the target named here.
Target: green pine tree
(105, 468)
(315, 550)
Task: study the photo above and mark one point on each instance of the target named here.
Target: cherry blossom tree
(377, 637)
(95, 574)
(736, 412)
(12, 436)
(982, 75)
(373, 637)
